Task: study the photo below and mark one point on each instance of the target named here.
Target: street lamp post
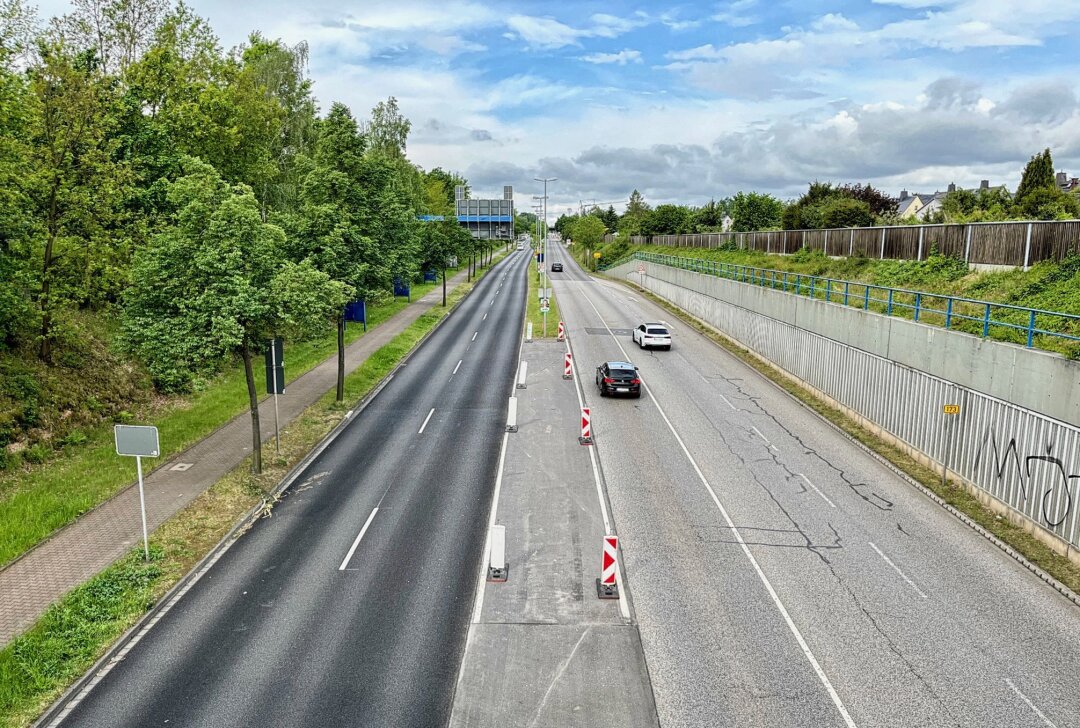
(544, 246)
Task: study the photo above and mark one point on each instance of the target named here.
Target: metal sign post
(275, 380)
(138, 441)
(948, 410)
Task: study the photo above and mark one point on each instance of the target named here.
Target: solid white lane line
(742, 544)
(474, 335)
(457, 367)
(823, 496)
(728, 402)
(478, 605)
(897, 570)
(429, 414)
(760, 435)
(579, 388)
(345, 561)
(1029, 703)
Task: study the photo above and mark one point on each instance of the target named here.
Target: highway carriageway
(780, 575)
(350, 605)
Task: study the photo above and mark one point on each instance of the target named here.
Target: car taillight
(635, 381)
(608, 380)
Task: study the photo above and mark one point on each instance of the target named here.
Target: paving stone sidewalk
(82, 549)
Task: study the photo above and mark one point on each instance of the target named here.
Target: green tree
(388, 130)
(841, 212)
(74, 185)
(215, 284)
(588, 232)
(755, 211)
(1038, 175)
(116, 31)
(668, 220)
(637, 212)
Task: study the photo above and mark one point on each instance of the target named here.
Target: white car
(521, 246)
(652, 334)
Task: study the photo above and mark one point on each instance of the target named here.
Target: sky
(698, 100)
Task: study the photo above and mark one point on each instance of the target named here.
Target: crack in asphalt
(873, 498)
(819, 549)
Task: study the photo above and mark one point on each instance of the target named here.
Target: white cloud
(621, 58)
(543, 32)
(550, 33)
(733, 14)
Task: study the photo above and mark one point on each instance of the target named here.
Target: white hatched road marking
(897, 570)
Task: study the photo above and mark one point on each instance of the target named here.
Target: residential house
(1066, 183)
(908, 204)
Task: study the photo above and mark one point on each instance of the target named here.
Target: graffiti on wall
(1042, 475)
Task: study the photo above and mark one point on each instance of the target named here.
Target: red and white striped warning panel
(562, 331)
(568, 367)
(586, 427)
(607, 565)
(606, 586)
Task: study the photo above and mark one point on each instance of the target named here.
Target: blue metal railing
(986, 318)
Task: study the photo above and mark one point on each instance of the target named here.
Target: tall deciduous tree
(755, 211)
(216, 284)
(75, 183)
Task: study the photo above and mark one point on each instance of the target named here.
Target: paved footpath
(82, 549)
(543, 651)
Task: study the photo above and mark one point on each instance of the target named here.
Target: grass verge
(36, 501)
(1049, 286)
(532, 310)
(37, 666)
(1035, 551)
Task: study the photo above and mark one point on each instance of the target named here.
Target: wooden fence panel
(999, 243)
(814, 239)
(1054, 240)
(902, 243)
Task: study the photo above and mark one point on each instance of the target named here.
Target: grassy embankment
(1048, 286)
(38, 498)
(39, 665)
(1038, 553)
(532, 307)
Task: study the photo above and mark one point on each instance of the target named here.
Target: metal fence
(1019, 244)
(1017, 324)
(1024, 459)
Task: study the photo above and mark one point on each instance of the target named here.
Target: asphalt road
(781, 576)
(303, 622)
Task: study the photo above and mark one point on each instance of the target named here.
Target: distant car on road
(652, 334)
(521, 246)
(618, 377)
(556, 267)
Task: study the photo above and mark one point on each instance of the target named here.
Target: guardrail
(1002, 321)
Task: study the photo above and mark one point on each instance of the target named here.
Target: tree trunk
(253, 400)
(444, 287)
(341, 357)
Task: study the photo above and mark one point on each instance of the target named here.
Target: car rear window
(660, 332)
(623, 373)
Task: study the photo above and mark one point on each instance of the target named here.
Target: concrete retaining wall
(1016, 443)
